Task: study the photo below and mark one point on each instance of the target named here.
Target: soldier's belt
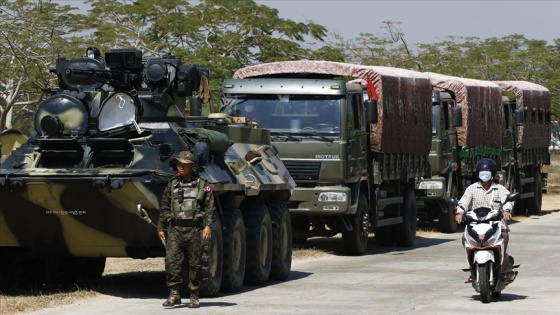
(185, 223)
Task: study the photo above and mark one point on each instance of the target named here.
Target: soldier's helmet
(184, 157)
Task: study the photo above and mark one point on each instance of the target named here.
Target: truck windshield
(289, 114)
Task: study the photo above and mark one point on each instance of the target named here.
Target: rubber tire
(484, 283)
(212, 263)
(235, 250)
(447, 223)
(281, 241)
(355, 241)
(534, 204)
(405, 233)
(259, 243)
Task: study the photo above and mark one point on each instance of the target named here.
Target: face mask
(485, 176)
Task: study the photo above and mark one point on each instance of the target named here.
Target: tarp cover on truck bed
(405, 114)
(535, 100)
(481, 106)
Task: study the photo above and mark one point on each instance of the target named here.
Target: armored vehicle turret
(87, 184)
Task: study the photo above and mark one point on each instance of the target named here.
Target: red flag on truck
(371, 89)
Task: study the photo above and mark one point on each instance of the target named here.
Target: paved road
(425, 279)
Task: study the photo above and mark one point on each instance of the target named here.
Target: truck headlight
(430, 185)
(332, 196)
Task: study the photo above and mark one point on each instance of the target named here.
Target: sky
(423, 21)
(429, 21)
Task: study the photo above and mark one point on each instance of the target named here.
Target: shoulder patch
(207, 187)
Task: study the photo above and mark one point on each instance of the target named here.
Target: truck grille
(303, 170)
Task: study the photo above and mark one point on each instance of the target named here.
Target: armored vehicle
(87, 184)
(355, 161)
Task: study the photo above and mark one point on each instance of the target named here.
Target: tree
(225, 35)
(33, 35)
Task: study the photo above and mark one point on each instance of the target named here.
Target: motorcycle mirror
(450, 201)
(513, 196)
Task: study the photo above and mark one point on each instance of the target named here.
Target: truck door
(357, 137)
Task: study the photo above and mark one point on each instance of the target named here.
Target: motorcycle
(485, 251)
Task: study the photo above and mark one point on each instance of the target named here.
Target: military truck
(354, 155)
(470, 123)
(526, 136)
(87, 184)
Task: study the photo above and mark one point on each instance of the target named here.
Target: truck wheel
(212, 262)
(281, 241)
(235, 248)
(447, 223)
(534, 204)
(406, 231)
(259, 243)
(355, 241)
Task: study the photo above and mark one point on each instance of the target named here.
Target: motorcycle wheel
(484, 283)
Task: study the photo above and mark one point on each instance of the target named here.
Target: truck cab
(319, 128)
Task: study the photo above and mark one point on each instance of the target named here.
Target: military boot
(173, 300)
(194, 302)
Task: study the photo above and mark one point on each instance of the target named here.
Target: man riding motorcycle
(486, 193)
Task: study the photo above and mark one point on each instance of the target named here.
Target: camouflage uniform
(186, 208)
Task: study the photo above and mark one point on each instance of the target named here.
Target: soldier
(187, 207)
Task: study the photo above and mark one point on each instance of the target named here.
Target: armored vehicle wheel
(281, 241)
(447, 223)
(355, 241)
(259, 242)
(212, 262)
(406, 231)
(235, 248)
(534, 204)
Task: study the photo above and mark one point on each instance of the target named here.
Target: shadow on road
(506, 297)
(334, 245)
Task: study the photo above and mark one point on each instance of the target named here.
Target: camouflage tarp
(481, 106)
(535, 100)
(405, 113)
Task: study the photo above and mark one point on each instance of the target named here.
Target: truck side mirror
(371, 111)
(520, 117)
(457, 117)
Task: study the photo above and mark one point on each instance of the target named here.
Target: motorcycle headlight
(332, 196)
